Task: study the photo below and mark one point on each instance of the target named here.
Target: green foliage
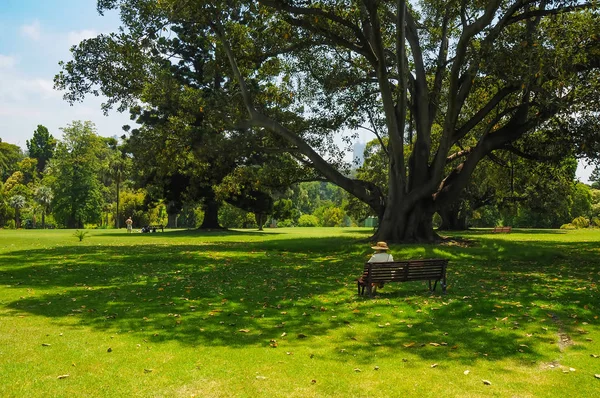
(234, 217)
(595, 178)
(10, 155)
(41, 147)
(132, 205)
(75, 165)
(308, 220)
(582, 201)
(80, 234)
(568, 226)
(332, 217)
(581, 222)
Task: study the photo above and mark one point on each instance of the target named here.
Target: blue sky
(34, 36)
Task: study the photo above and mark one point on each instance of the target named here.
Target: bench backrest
(406, 270)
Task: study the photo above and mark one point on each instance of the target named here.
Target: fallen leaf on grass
(434, 344)
(487, 382)
(597, 376)
(261, 378)
(594, 356)
(148, 370)
(244, 330)
(46, 345)
(302, 335)
(63, 376)
(357, 370)
(466, 372)
(434, 365)
(408, 345)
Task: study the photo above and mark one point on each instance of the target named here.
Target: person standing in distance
(129, 223)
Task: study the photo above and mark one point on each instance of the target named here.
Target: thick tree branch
(257, 119)
(302, 12)
(483, 112)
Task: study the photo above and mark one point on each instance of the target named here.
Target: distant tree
(10, 155)
(41, 147)
(43, 195)
(582, 201)
(76, 186)
(595, 178)
(17, 202)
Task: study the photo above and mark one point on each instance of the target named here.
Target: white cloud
(75, 37)
(7, 61)
(33, 31)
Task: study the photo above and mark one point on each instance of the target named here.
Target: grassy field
(276, 314)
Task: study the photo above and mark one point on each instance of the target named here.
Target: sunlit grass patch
(243, 313)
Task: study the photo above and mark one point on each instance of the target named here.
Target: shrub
(80, 234)
(332, 217)
(285, 223)
(568, 226)
(581, 222)
(308, 220)
(595, 222)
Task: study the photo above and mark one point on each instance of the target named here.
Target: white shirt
(381, 258)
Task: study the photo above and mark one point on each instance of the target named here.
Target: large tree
(453, 81)
(10, 156)
(41, 146)
(75, 168)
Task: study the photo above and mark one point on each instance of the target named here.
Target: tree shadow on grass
(246, 293)
(194, 233)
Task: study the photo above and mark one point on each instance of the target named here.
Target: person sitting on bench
(380, 256)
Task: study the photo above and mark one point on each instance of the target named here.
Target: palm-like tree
(44, 196)
(17, 202)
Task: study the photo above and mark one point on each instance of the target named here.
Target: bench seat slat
(403, 271)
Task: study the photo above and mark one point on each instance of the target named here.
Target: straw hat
(380, 246)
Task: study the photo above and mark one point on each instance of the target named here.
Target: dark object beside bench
(152, 228)
(403, 271)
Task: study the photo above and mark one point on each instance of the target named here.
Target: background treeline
(88, 181)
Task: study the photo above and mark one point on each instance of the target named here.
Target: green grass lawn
(276, 314)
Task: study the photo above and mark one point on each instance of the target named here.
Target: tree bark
(172, 220)
(260, 220)
(117, 220)
(453, 219)
(211, 214)
(43, 219)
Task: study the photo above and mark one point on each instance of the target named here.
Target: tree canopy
(446, 83)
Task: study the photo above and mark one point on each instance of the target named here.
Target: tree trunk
(453, 219)
(260, 220)
(399, 225)
(211, 214)
(172, 220)
(117, 220)
(43, 219)
(17, 218)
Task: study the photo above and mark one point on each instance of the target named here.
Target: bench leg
(434, 285)
(369, 290)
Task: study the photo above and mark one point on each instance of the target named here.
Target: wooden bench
(403, 271)
(505, 230)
